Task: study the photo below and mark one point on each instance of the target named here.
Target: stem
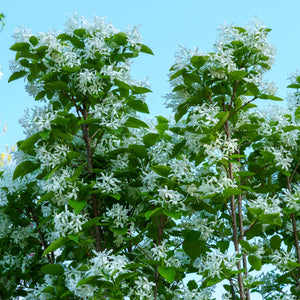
(295, 234)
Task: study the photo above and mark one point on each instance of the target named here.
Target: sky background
(165, 24)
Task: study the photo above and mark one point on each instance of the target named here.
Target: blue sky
(165, 24)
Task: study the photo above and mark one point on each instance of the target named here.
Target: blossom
(108, 183)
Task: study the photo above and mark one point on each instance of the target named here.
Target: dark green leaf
(150, 139)
(20, 47)
(25, 168)
(275, 242)
(56, 85)
(138, 105)
(162, 170)
(120, 38)
(33, 40)
(17, 75)
(140, 90)
(135, 123)
(53, 269)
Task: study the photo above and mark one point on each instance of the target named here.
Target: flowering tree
(100, 204)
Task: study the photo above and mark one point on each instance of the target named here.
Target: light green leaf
(255, 262)
(162, 170)
(136, 123)
(150, 139)
(168, 273)
(138, 105)
(20, 47)
(146, 49)
(55, 245)
(78, 206)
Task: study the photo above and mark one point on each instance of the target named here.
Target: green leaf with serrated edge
(154, 212)
(17, 75)
(55, 245)
(145, 49)
(20, 47)
(53, 269)
(138, 105)
(275, 242)
(88, 280)
(167, 273)
(78, 206)
(150, 139)
(255, 262)
(135, 123)
(162, 170)
(25, 168)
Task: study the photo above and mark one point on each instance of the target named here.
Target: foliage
(100, 204)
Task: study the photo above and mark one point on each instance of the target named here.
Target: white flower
(119, 214)
(143, 288)
(159, 251)
(108, 183)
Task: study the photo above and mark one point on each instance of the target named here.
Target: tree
(100, 204)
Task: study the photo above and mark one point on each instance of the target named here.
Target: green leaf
(269, 97)
(53, 269)
(74, 238)
(138, 105)
(172, 214)
(199, 61)
(237, 75)
(88, 280)
(40, 95)
(119, 230)
(138, 150)
(168, 273)
(135, 123)
(294, 86)
(211, 282)
(255, 262)
(56, 85)
(68, 69)
(20, 47)
(146, 49)
(222, 116)
(275, 242)
(194, 249)
(90, 223)
(153, 213)
(150, 139)
(121, 38)
(46, 197)
(17, 75)
(192, 284)
(177, 74)
(25, 168)
(140, 90)
(75, 41)
(246, 245)
(33, 40)
(55, 245)
(78, 206)
(45, 134)
(162, 170)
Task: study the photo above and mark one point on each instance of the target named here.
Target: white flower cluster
(281, 259)
(291, 198)
(68, 222)
(269, 204)
(215, 262)
(119, 214)
(108, 183)
(282, 157)
(169, 198)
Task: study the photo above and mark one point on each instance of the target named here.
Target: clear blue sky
(165, 24)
